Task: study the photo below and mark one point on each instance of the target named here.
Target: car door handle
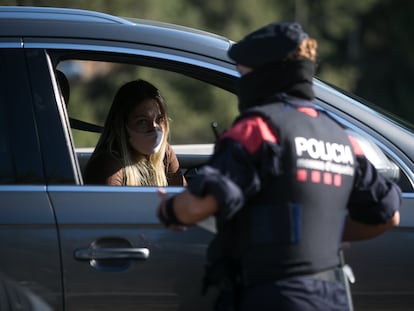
(112, 253)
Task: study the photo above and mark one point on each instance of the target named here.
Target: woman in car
(133, 148)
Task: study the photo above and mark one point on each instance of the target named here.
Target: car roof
(47, 22)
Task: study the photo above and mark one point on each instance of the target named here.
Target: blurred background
(366, 47)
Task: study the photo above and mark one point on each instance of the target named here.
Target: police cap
(268, 44)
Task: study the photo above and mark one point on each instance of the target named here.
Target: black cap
(268, 44)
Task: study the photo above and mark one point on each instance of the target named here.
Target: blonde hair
(141, 170)
(307, 49)
(145, 171)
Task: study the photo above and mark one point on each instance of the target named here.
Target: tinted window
(20, 161)
(6, 163)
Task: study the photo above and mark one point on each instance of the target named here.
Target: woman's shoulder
(170, 156)
(102, 166)
(169, 150)
(107, 158)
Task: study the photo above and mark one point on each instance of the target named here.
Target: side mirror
(377, 157)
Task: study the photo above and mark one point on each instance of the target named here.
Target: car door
(30, 252)
(115, 253)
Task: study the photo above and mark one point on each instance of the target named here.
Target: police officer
(283, 183)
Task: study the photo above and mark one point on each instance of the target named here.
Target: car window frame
(212, 71)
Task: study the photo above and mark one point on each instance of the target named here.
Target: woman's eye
(142, 122)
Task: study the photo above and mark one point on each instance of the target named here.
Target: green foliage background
(365, 47)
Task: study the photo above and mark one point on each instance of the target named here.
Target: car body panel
(87, 221)
(30, 242)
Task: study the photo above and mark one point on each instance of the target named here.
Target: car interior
(92, 84)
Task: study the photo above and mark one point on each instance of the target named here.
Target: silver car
(82, 247)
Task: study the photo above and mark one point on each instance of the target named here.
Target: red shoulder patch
(309, 111)
(251, 133)
(356, 146)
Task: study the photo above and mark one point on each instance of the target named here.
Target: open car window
(198, 110)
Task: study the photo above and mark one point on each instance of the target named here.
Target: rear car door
(28, 233)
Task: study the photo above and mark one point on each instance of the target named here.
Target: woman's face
(145, 127)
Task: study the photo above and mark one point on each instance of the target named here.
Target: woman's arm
(174, 174)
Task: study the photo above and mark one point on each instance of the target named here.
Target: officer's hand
(164, 216)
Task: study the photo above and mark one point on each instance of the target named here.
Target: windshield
(400, 120)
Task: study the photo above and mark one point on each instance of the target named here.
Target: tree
(365, 47)
(386, 59)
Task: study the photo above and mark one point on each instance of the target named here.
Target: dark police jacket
(285, 175)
